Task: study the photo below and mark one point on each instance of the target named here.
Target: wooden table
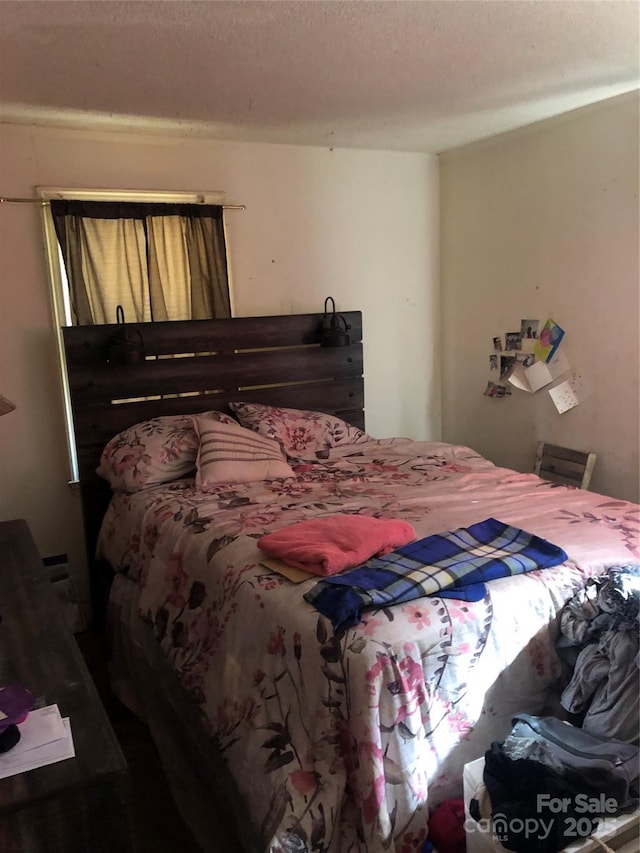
(80, 805)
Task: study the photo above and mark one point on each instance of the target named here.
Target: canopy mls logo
(569, 817)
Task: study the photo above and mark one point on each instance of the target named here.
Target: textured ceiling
(412, 75)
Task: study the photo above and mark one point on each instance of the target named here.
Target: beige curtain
(169, 269)
(159, 261)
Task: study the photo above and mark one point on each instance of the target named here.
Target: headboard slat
(98, 384)
(87, 343)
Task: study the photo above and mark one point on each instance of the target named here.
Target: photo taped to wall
(512, 341)
(529, 328)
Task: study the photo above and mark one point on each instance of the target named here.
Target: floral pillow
(155, 451)
(302, 434)
(229, 453)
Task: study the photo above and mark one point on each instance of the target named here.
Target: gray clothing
(600, 636)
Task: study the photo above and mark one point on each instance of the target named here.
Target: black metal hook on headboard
(124, 347)
(332, 334)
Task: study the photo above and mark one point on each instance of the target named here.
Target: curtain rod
(45, 201)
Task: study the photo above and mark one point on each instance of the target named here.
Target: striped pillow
(229, 453)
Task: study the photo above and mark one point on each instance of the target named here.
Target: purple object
(15, 703)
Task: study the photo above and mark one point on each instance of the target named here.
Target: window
(161, 256)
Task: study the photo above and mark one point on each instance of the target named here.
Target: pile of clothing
(550, 783)
(600, 641)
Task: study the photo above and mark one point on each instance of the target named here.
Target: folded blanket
(324, 546)
(455, 563)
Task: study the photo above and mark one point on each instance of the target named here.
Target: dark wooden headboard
(209, 363)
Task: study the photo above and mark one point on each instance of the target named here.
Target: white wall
(361, 226)
(537, 223)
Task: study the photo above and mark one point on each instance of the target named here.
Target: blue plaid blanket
(454, 564)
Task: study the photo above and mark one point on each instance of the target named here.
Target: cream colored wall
(537, 223)
(361, 226)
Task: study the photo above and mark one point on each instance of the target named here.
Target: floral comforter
(342, 743)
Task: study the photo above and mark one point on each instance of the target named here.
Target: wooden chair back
(563, 465)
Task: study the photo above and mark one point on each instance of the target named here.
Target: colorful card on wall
(548, 341)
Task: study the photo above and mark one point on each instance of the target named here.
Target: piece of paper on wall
(558, 364)
(532, 378)
(518, 378)
(568, 394)
(549, 341)
(539, 374)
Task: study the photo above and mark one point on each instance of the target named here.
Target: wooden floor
(158, 825)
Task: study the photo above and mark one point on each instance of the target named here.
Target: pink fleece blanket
(325, 546)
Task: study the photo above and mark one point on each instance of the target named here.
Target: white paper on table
(19, 760)
(41, 726)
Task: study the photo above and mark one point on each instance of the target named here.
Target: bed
(312, 739)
